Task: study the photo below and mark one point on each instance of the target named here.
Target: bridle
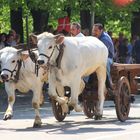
(16, 69)
(60, 48)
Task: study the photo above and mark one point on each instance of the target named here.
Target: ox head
(46, 43)
(9, 60)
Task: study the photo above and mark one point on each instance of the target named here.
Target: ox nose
(40, 62)
(4, 77)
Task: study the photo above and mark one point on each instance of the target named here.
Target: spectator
(85, 32)
(122, 50)
(98, 31)
(75, 30)
(10, 40)
(136, 50)
(2, 40)
(116, 44)
(64, 32)
(121, 37)
(14, 34)
(17, 39)
(129, 59)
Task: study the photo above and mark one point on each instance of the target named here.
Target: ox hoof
(78, 108)
(70, 109)
(98, 117)
(36, 125)
(41, 103)
(7, 117)
(37, 122)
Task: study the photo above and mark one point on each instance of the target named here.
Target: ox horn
(20, 51)
(23, 54)
(33, 39)
(59, 38)
(21, 46)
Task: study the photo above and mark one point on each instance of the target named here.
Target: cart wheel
(122, 99)
(57, 111)
(88, 105)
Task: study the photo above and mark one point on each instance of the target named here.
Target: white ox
(81, 57)
(10, 59)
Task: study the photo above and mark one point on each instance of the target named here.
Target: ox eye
(13, 61)
(50, 47)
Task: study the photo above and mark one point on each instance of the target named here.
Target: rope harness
(16, 69)
(60, 48)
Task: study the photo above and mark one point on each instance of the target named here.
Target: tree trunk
(85, 15)
(135, 24)
(85, 19)
(17, 22)
(40, 20)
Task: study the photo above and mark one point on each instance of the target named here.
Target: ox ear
(59, 39)
(33, 39)
(23, 55)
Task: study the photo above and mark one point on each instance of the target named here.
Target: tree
(16, 21)
(85, 13)
(45, 11)
(40, 20)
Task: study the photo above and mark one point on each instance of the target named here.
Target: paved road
(75, 126)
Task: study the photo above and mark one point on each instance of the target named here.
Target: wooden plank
(120, 66)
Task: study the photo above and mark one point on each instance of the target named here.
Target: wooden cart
(124, 78)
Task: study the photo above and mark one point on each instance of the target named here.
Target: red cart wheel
(57, 111)
(122, 99)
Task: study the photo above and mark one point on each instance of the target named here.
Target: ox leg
(60, 92)
(101, 75)
(56, 91)
(36, 105)
(42, 97)
(82, 86)
(11, 100)
(75, 92)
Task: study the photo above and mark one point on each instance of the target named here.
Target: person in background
(86, 32)
(2, 40)
(75, 30)
(13, 33)
(123, 49)
(129, 59)
(136, 50)
(98, 31)
(10, 40)
(17, 39)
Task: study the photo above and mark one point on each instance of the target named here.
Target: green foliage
(115, 18)
(4, 19)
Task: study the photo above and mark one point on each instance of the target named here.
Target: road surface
(76, 126)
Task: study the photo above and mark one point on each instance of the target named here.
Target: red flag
(64, 24)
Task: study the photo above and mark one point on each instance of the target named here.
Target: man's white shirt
(80, 35)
